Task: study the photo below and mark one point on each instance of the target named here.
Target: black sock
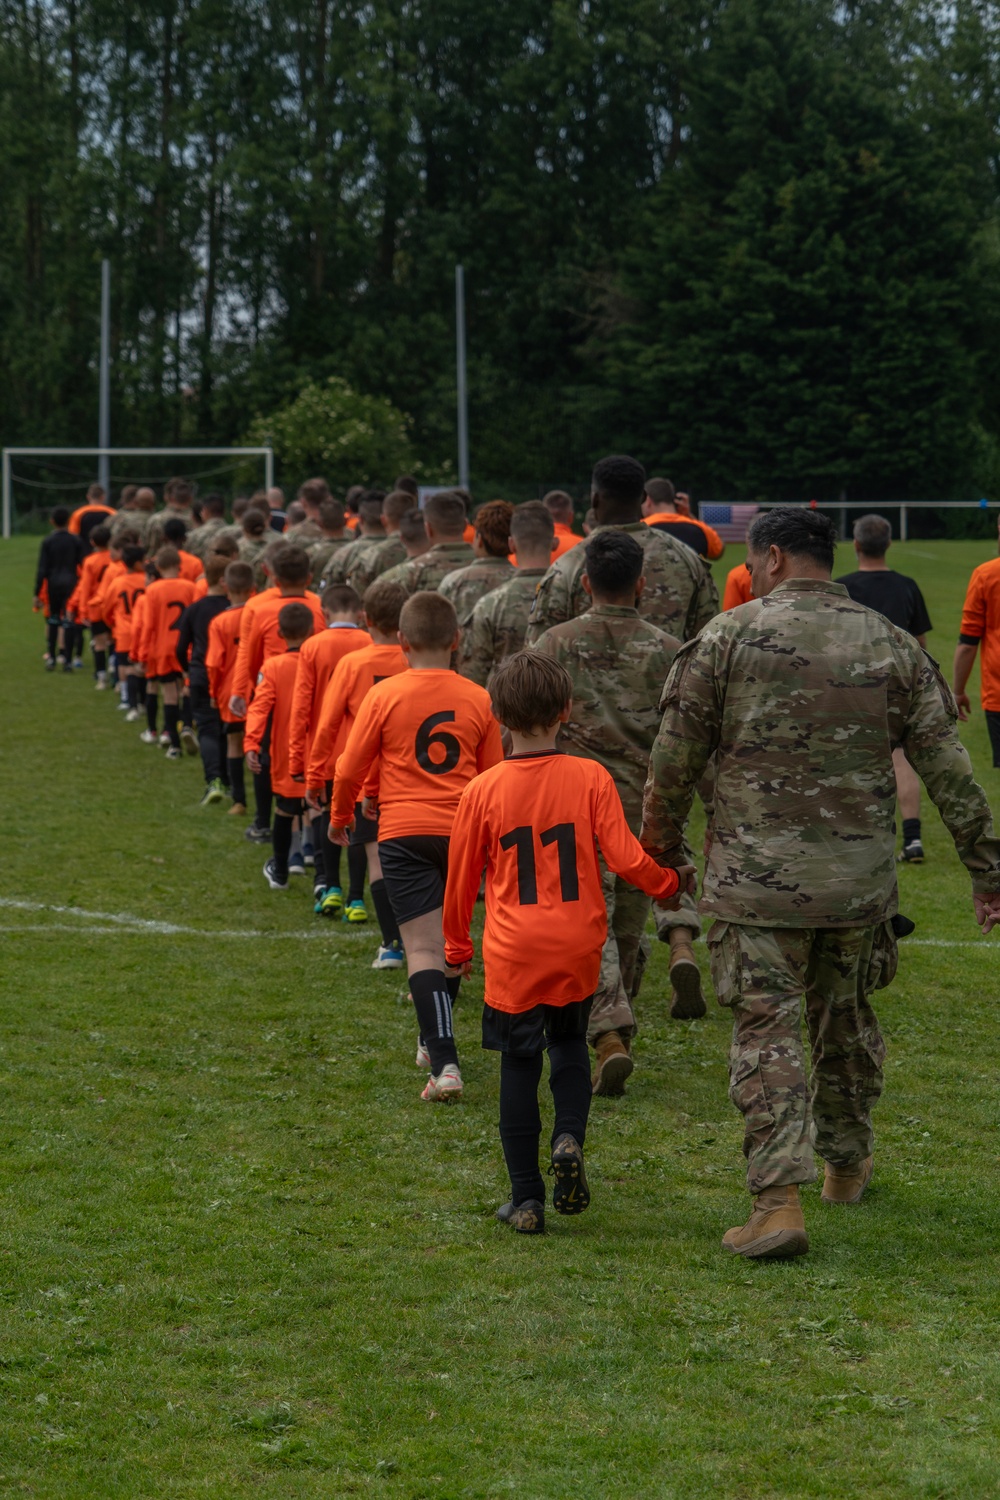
(151, 701)
(262, 797)
(281, 843)
(569, 1080)
(186, 718)
(911, 830)
(171, 713)
(453, 983)
(78, 642)
(144, 692)
(357, 864)
(386, 920)
(431, 1002)
(132, 691)
(53, 639)
(236, 786)
(521, 1125)
(320, 843)
(331, 857)
(100, 660)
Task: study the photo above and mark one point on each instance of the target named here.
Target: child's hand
(452, 971)
(341, 836)
(687, 875)
(369, 806)
(314, 799)
(253, 761)
(238, 707)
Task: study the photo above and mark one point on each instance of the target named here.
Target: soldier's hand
(987, 910)
(964, 706)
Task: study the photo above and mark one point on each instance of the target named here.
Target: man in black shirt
(899, 599)
(192, 644)
(59, 559)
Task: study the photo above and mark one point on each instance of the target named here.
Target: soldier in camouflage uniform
(137, 519)
(680, 595)
(310, 497)
(444, 518)
(372, 559)
(256, 538)
(491, 544)
(803, 695)
(500, 619)
(618, 664)
(178, 499)
(369, 533)
(416, 542)
(334, 538)
(213, 509)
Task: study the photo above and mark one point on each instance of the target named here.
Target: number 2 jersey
(422, 735)
(156, 648)
(535, 824)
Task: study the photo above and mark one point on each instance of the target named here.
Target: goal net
(36, 479)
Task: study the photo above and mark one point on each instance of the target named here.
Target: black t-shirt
(59, 556)
(893, 595)
(192, 635)
(687, 532)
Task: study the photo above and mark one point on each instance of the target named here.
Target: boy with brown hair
(534, 823)
(166, 599)
(422, 735)
(192, 651)
(491, 544)
(271, 708)
(220, 663)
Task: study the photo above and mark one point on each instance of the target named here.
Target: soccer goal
(57, 472)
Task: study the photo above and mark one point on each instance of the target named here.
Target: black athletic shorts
(530, 1031)
(365, 830)
(993, 726)
(99, 627)
(289, 807)
(415, 870)
(168, 677)
(58, 600)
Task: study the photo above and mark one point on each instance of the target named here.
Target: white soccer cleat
(423, 1058)
(132, 715)
(445, 1088)
(148, 736)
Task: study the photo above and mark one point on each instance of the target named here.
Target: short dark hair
(382, 604)
(339, 598)
(493, 524)
(873, 535)
(295, 621)
(239, 577)
(408, 483)
(213, 505)
(290, 564)
(181, 492)
(661, 491)
(620, 479)
(428, 620)
(614, 562)
(558, 503)
(370, 509)
(532, 524)
(175, 529)
(60, 515)
(215, 568)
(167, 557)
(314, 491)
(254, 522)
(796, 529)
(446, 512)
(132, 553)
(529, 691)
(331, 514)
(100, 536)
(395, 505)
(354, 493)
(411, 526)
(225, 544)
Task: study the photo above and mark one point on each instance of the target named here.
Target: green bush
(332, 430)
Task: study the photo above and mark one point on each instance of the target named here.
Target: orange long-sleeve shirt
(192, 568)
(220, 658)
(259, 638)
(981, 622)
(95, 566)
(120, 603)
(318, 659)
(535, 824)
(737, 590)
(272, 701)
(424, 735)
(347, 689)
(89, 508)
(156, 644)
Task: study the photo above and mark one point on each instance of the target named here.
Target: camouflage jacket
(154, 537)
(466, 586)
(430, 570)
(303, 534)
(321, 552)
(372, 558)
(252, 550)
(804, 695)
(201, 538)
(680, 594)
(618, 663)
(131, 520)
(498, 624)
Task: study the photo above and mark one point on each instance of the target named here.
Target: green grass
(240, 1257)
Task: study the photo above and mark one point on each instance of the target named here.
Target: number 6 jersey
(423, 736)
(534, 824)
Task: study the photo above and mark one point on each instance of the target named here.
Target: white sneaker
(132, 715)
(148, 736)
(164, 739)
(189, 739)
(391, 957)
(445, 1087)
(423, 1058)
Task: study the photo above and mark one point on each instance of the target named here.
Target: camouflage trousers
(762, 974)
(626, 952)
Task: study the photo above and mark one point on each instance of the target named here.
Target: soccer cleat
(570, 1195)
(775, 1229)
(189, 740)
(445, 1088)
(132, 715)
(319, 891)
(148, 736)
(173, 753)
(423, 1058)
(527, 1217)
(50, 665)
(333, 901)
(390, 957)
(101, 684)
(614, 1065)
(271, 876)
(257, 835)
(238, 810)
(846, 1184)
(911, 853)
(296, 864)
(355, 912)
(164, 738)
(77, 663)
(214, 792)
(308, 854)
(67, 667)
(122, 706)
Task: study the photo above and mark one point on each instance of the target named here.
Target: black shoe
(257, 835)
(570, 1195)
(272, 877)
(911, 854)
(50, 666)
(527, 1218)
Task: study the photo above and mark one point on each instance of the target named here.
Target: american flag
(730, 521)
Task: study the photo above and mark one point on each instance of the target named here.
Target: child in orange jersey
(737, 590)
(95, 565)
(318, 660)
(348, 688)
(220, 663)
(167, 597)
(535, 823)
(422, 736)
(123, 592)
(175, 532)
(271, 708)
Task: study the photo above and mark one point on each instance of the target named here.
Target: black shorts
(993, 726)
(289, 807)
(99, 627)
(365, 830)
(415, 870)
(168, 677)
(530, 1031)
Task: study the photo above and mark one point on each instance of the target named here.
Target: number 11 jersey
(423, 735)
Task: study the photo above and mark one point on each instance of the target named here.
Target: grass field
(240, 1256)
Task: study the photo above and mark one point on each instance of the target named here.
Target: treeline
(754, 242)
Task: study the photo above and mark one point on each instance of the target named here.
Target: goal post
(266, 453)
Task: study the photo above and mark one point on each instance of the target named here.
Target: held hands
(687, 875)
(340, 836)
(964, 706)
(987, 910)
(453, 970)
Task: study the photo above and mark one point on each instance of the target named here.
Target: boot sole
(611, 1076)
(783, 1244)
(687, 1002)
(570, 1195)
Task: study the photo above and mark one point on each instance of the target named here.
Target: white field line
(125, 921)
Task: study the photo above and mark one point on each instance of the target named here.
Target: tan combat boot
(775, 1229)
(686, 1001)
(613, 1065)
(846, 1184)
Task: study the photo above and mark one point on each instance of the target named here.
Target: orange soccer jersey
(981, 623)
(156, 647)
(352, 681)
(318, 660)
(192, 567)
(535, 823)
(89, 508)
(95, 566)
(272, 701)
(424, 735)
(119, 604)
(220, 658)
(259, 638)
(737, 590)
